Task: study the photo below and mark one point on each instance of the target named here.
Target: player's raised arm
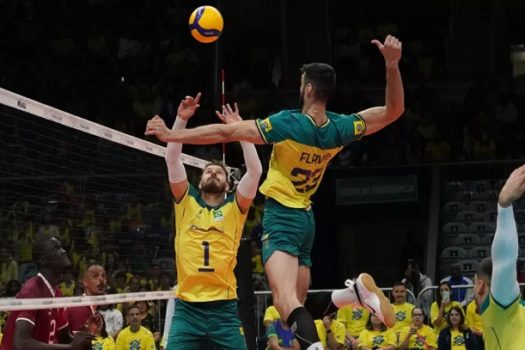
(377, 118)
(505, 247)
(247, 187)
(244, 130)
(176, 170)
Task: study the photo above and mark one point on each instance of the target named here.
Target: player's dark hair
(484, 270)
(322, 77)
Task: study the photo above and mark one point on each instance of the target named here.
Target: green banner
(402, 188)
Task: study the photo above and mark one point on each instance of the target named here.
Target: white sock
(316, 346)
(344, 297)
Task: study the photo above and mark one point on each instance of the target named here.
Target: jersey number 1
(206, 268)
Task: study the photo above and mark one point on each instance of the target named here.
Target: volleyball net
(103, 192)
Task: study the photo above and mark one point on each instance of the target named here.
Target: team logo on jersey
(357, 314)
(359, 127)
(265, 125)
(378, 340)
(134, 345)
(420, 340)
(217, 215)
(400, 315)
(458, 340)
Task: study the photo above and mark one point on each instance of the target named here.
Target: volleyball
(206, 24)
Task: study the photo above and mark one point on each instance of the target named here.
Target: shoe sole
(384, 304)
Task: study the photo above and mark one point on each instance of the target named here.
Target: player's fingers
(198, 97)
(236, 107)
(219, 114)
(229, 108)
(377, 43)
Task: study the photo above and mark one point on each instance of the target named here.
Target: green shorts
(290, 230)
(216, 323)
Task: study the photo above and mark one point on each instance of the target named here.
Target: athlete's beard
(213, 187)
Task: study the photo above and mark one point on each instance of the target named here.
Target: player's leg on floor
(282, 270)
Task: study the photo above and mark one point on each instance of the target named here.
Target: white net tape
(51, 303)
(41, 110)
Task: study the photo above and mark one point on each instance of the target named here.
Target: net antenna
(56, 115)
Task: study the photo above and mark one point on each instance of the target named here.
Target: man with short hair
(44, 329)
(496, 288)
(94, 282)
(402, 308)
(304, 143)
(135, 336)
(209, 225)
(456, 278)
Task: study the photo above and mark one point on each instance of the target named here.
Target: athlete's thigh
(303, 282)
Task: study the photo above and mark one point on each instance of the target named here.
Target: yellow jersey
(424, 337)
(140, 340)
(403, 314)
(377, 339)
(353, 318)
(271, 314)
(434, 312)
(472, 318)
(103, 343)
(206, 243)
(301, 152)
(503, 327)
(336, 327)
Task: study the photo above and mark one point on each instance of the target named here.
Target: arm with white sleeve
(505, 247)
(176, 171)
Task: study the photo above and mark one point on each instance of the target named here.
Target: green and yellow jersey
(434, 313)
(377, 339)
(403, 314)
(353, 318)
(142, 339)
(503, 326)
(206, 247)
(301, 152)
(424, 338)
(336, 327)
(472, 318)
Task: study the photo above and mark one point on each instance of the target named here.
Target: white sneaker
(373, 299)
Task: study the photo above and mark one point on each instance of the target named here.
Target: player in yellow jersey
(209, 225)
(304, 141)
(496, 289)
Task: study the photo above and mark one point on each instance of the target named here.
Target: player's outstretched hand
(390, 49)
(513, 187)
(188, 106)
(157, 127)
(228, 114)
(82, 341)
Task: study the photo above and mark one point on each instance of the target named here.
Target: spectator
(331, 332)
(135, 336)
(280, 337)
(402, 308)
(376, 336)
(442, 306)
(417, 335)
(457, 336)
(473, 321)
(103, 341)
(8, 267)
(147, 319)
(11, 289)
(112, 317)
(456, 278)
(354, 319)
(417, 282)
